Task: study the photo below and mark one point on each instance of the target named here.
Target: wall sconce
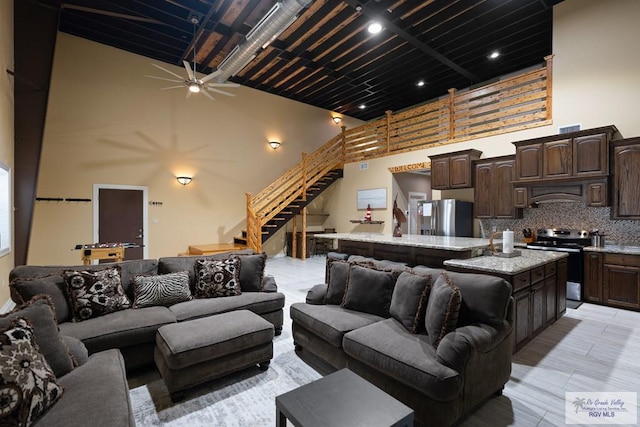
(184, 180)
(274, 144)
(337, 119)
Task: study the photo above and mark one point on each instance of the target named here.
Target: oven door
(575, 269)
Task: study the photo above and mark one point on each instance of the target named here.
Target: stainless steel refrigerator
(448, 217)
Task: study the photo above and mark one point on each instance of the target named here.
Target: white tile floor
(590, 349)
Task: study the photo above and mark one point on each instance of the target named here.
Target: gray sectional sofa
(103, 346)
(438, 341)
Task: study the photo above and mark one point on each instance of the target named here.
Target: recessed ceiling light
(494, 55)
(420, 83)
(374, 28)
(362, 106)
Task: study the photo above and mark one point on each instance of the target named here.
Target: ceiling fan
(192, 82)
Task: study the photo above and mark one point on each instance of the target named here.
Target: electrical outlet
(494, 228)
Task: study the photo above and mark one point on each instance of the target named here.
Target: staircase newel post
(303, 251)
(252, 224)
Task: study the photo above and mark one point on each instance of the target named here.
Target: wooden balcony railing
(511, 104)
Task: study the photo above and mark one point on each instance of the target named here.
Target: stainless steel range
(572, 242)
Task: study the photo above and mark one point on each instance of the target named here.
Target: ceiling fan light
(374, 27)
(194, 87)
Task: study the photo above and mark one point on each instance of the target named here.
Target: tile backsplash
(568, 215)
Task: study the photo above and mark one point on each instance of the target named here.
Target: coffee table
(341, 399)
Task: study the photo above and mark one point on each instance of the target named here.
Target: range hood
(591, 192)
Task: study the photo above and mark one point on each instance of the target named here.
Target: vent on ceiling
(569, 128)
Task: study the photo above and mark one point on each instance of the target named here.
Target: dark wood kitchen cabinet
(626, 179)
(529, 162)
(621, 284)
(561, 287)
(557, 159)
(612, 279)
(453, 170)
(590, 155)
(493, 188)
(592, 286)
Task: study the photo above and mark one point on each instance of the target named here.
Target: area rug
(243, 399)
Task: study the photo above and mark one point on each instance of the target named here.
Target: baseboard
(7, 307)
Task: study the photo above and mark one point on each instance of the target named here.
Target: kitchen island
(413, 249)
(539, 281)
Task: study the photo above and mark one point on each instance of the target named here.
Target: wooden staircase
(294, 208)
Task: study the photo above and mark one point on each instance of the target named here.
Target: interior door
(121, 218)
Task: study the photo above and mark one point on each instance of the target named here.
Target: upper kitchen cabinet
(493, 195)
(570, 166)
(570, 155)
(625, 155)
(453, 170)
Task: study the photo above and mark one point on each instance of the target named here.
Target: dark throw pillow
(52, 285)
(217, 278)
(338, 276)
(164, 289)
(442, 309)
(409, 300)
(95, 293)
(39, 312)
(28, 386)
(369, 290)
(252, 272)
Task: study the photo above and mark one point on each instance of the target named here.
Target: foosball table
(103, 251)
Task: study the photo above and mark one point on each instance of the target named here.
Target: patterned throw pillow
(28, 387)
(165, 289)
(217, 278)
(95, 293)
(443, 309)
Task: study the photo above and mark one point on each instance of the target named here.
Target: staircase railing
(511, 104)
(291, 186)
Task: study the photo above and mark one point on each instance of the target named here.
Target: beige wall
(595, 82)
(109, 124)
(6, 120)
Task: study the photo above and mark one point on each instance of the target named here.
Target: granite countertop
(511, 266)
(615, 249)
(432, 242)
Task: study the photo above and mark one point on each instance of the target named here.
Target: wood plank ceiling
(327, 58)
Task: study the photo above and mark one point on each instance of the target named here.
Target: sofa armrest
(269, 283)
(77, 350)
(455, 349)
(317, 294)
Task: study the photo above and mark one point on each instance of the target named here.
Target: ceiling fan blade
(223, 85)
(167, 71)
(172, 87)
(210, 76)
(162, 78)
(204, 92)
(220, 92)
(187, 66)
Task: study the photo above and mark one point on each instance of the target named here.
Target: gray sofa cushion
(77, 350)
(369, 290)
(379, 264)
(484, 298)
(317, 294)
(337, 284)
(187, 263)
(120, 329)
(330, 322)
(257, 302)
(39, 313)
(442, 309)
(128, 270)
(388, 347)
(95, 394)
(333, 256)
(25, 288)
(409, 300)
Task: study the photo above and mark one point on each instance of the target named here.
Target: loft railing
(511, 104)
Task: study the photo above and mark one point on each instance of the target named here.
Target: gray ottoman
(193, 352)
